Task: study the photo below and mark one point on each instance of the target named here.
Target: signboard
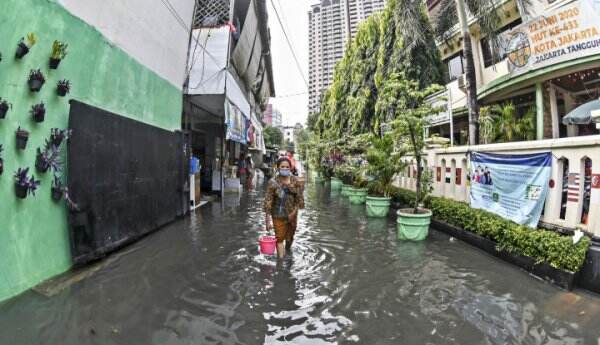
(511, 186)
(439, 101)
(235, 123)
(458, 176)
(563, 34)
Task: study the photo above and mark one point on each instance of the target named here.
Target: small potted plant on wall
(58, 188)
(24, 46)
(36, 80)
(25, 184)
(1, 160)
(22, 137)
(48, 158)
(59, 51)
(57, 136)
(4, 106)
(63, 87)
(411, 113)
(38, 112)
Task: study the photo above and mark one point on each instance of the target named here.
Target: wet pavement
(348, 280)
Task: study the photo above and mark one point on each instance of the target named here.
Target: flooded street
(348, 280)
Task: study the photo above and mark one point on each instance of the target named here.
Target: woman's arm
(268, 204)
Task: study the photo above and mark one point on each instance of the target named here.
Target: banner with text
(566, 33)
(512, 186)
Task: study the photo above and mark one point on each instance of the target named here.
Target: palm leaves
(500, 123)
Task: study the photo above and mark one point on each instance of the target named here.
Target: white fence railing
(571, 203)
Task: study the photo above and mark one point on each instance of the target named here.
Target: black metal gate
(126, 177)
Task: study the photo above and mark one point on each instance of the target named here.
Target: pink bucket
(267, 245)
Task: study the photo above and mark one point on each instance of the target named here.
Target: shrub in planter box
(24, 47)
(22, 137)
(24, 184)
(48, 158)
(57, 136)
(59, 51)
(63, 87)
(38, 112)
(4, 106)
(36, 80)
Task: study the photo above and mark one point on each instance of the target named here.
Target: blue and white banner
(511, 186)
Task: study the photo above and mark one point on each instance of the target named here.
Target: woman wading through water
(283, 200)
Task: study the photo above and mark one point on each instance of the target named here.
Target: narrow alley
(348, 280)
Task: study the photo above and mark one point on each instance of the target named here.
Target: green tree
(489, 21)
(411, 113)
(273, 137)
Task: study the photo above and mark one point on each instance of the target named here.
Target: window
(491, 55)
(455, 66)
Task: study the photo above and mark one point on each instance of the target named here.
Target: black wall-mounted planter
(22, 50)
(40, 164)
(57, 194)
(35, 85)
(1, 166)
(20, 191)
(3, 111)
(61, 91)
(54, 63)
(22, 138)
(39, 116)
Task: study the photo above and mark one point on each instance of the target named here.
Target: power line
(289, 44)
(292, 94)
(182, 23)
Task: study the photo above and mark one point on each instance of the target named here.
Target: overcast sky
(288, 80)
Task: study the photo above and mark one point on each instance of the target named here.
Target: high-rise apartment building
(331, 24)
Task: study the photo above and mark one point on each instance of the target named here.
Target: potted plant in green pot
(59, 51)
(383, 163)
(57, 135)
(36, 80)
(24, 184)
(407, 102)
(358, 193)
(4, 106)
(24, 47)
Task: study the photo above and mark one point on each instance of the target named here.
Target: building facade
(120, 60)
(230, 82)
(332, 23)
(272, 117)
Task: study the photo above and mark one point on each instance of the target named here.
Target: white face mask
(284, 172)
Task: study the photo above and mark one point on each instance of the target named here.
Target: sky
(290, 88)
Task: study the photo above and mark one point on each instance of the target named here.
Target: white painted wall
(144, 29)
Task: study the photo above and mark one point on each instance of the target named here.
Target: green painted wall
(33, 232)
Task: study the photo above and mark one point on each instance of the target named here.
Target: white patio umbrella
(582, 115)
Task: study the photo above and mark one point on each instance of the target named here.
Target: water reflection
(347, 280)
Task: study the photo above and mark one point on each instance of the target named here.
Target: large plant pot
(345, 189)
(54, 63)
(57, 194)
(378, 207)
(41, 165)
(411, 226)
(22, 140)
(358, 196)
(336, 184)
(3, 111)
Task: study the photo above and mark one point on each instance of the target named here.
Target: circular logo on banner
(596, 181)
(518, 50)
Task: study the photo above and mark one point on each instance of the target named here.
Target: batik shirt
(281, 200)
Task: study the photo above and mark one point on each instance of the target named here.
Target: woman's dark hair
(283, 159)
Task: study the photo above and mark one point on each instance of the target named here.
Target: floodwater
(348, 281)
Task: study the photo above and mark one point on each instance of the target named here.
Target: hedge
(541, 245)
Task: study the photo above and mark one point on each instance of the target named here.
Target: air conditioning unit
(462, 82)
